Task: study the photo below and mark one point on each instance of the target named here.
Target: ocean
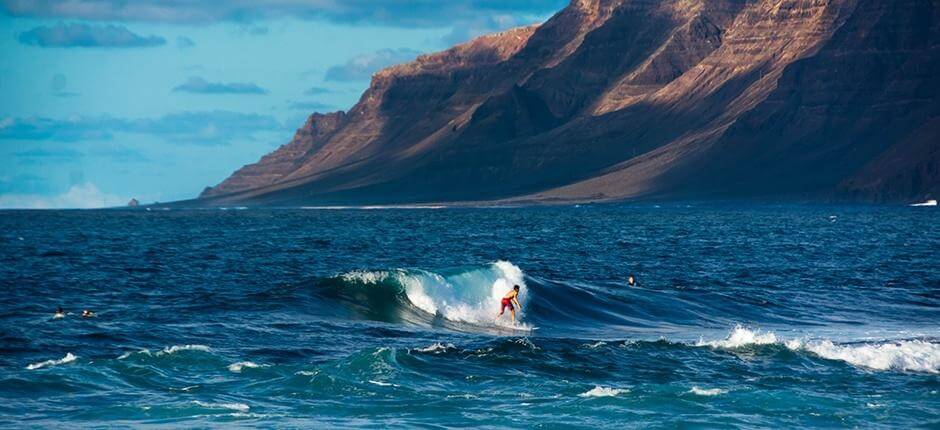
(744, 316)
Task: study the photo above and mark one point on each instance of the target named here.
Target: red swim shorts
(506, 303)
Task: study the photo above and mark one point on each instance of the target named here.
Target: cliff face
(619, 99)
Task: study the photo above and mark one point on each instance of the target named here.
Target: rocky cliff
(625, 99)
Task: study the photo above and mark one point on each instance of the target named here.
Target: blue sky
(104, 100)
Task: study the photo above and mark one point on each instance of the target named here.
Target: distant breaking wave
(49, 363)
(901, 355)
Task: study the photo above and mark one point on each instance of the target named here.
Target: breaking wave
(740, 337)
(599, 391)
(896, 355)
(707, 391)
(49, 363)
(458, 295)
(908, 355)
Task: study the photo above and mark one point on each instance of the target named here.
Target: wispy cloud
(201, 86)
(208, 128)
(414, 13)
(78, 196)
(87, 36)
(361, 67)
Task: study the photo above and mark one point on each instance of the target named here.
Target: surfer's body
(511, 301)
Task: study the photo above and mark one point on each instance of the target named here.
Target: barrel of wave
(467, 295)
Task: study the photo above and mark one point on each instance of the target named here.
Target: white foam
(382, 384)
(241, 407)
(599, 391)
(366, 277)
(129, 353)
(707, 391)
(739, 337)
(177, 348)
(49, 363)
(594, 345)
(437, 347)
(926, 203)
(238, 367)
(905, 355)
(913, 355)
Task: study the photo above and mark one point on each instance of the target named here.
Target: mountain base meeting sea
(743, 316)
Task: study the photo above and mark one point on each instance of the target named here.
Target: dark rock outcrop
(622, 99)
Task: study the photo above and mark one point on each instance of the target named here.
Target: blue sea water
(745, 316)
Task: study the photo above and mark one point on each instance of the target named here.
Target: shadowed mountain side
(808, 99)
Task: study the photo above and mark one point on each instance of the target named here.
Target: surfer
(88, 314)
(509, 300)
(631, 281)
(59, 313)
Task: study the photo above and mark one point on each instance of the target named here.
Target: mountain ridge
(633, 99)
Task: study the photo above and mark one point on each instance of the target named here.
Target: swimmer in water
(631, 281)
(59, 313)
(511, 298)
(87, 314)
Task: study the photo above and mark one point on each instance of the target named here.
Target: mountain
(637, 99)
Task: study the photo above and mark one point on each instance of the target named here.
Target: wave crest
(460, 295)
(599, 391)
(741, 337)
(69, 357)
(909, 356)
(904, 355)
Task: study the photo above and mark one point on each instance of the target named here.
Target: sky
(102, 101)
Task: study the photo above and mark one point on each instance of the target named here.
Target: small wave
(436, 348)
(382, 383)
(241, 365)
(129, 353)
(599, 391)
(912, 356)
(707, 391)
(240, 407)
(49, 363)
(740, 337)
(177, 348)
(594, 345)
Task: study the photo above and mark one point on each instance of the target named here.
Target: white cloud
(79, 196)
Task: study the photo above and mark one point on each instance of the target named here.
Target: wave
(900, 355)
(599, 391)
(177, 348)
(707, 391)
(241, 365)
(470, 295)
(240, 407)
(464, 295)
(69, 357)
(741, 337)
(435, 348)
(908, 356)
